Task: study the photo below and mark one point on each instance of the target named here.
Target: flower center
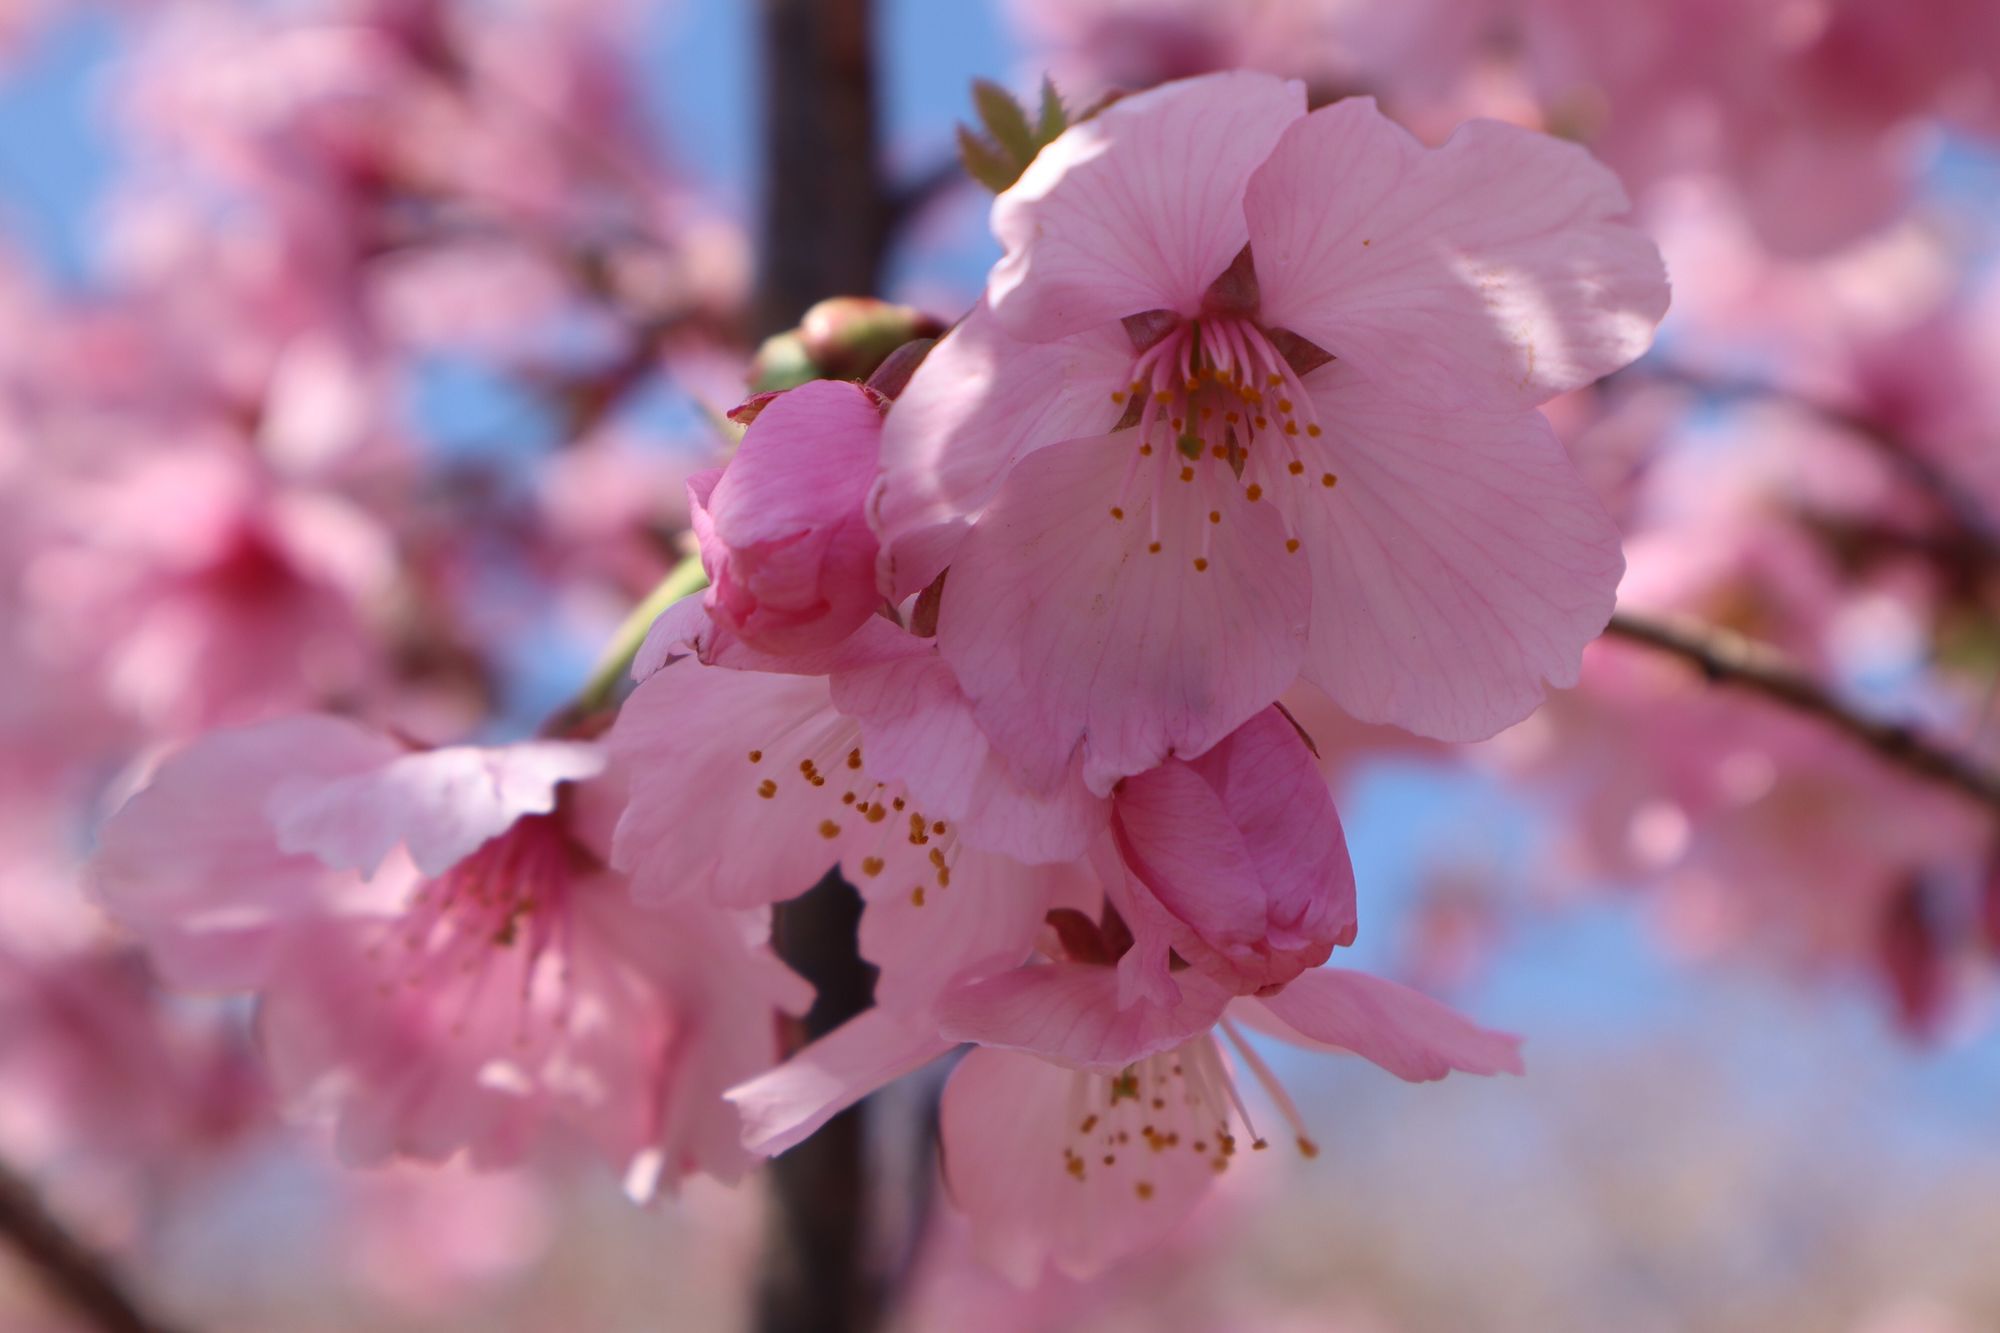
(1216, 408)
(506, 905)
(1183, 1100)
(814, 777)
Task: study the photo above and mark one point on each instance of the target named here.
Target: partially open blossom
(1239, 853)
(1079, 1131)
(1251, 393)
(789, 554)
(443, 961)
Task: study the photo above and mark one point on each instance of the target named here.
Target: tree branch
(71, 1269)
(1731, 659)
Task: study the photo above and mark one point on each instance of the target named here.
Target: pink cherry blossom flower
(1251, 394)
(1236, 860)
(443, 963)
(788, 550)
(203, 589)
(1077, 1131)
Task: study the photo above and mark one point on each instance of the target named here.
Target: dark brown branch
(819, 1271)
(1729, 658)
(826, 213)
(70, 1268)
(825, 223)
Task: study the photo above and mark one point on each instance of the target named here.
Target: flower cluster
(1250, 398)
(1304, 433)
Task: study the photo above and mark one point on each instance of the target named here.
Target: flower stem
(597, 694)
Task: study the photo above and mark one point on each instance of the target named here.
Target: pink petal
(781, 1109)
(919, 730)
(697, 822)
(687, 629)
(1009, 1129)
(982, 401)
(925, 939)
(788, 550)
(191, 864)
(440, 804)
(680, 630)
(1066, 630)
(1487, 271)
(1139, 208)
(1069, 1013)
(1404, 1031)
(1459, 563)
(1244, 851)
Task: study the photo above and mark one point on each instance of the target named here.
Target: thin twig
(1731, 659)
(71, 1269)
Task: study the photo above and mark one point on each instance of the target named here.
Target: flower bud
(787, 547)
(1240, 857)
(841, 338)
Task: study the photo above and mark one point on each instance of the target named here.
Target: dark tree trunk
(826, 212)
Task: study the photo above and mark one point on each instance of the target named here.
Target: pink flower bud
(1239, 857)
(789, 554)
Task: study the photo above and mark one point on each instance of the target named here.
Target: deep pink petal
(982, 401)
(787, 547)
(1065, 629)
(1404, 1031)
(782, 1108)
(1243, 849)
(439, 804)
(1069, 1013)
(1010, 1130)
(1488, 271)
(1459, 564)
(1139, 208)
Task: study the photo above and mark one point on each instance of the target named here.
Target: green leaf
(1054, 119)
(984, 162)
(1004, 120)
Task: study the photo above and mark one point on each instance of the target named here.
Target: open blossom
(1235, 861)
(1251, 394)
(203, 590)
(1078, 1130)
(787, 547)
(443, 961)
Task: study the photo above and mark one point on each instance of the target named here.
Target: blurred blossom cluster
(446, 637)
